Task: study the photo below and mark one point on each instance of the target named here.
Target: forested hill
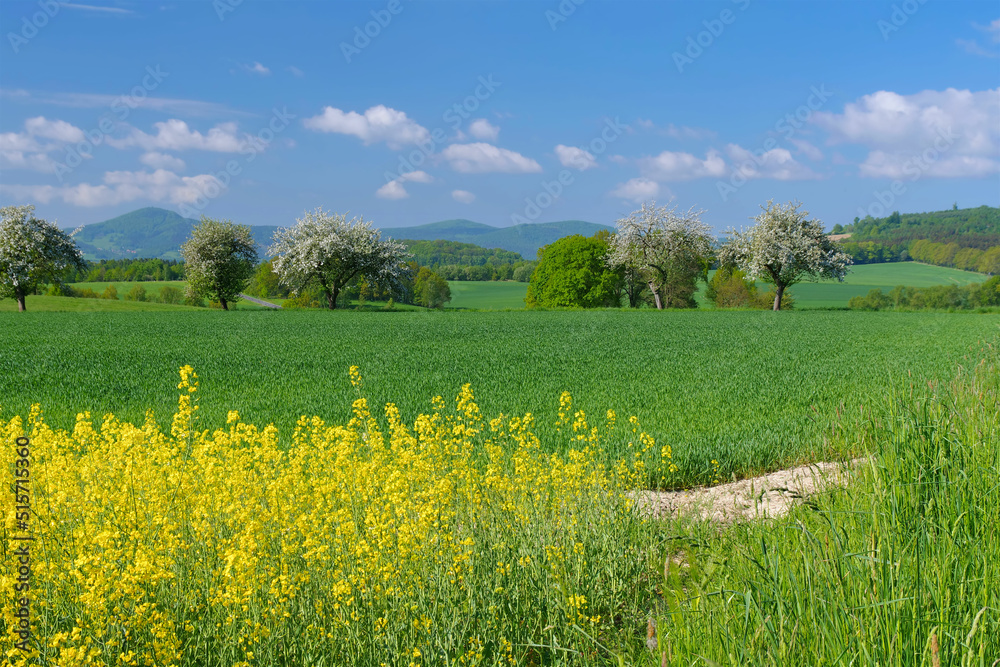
(968, 227)
(967, 239)
(148, 233)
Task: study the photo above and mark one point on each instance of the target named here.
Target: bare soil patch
(767, 496)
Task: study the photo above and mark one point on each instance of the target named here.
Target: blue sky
(499, 112)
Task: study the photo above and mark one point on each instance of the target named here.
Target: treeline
(950, 254)
(939, 297)
(420, 286)
(453, 260)
(126, 270)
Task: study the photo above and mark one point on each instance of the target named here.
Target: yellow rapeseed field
(452, 540)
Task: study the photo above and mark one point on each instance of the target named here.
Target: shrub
(110, 293)
(171, 294)
(137, 293)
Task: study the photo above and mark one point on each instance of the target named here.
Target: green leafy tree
(265, 282)
(219, 260)
(32, 251)
(731, 288)
(330, 251)
(573, 271)
(430, 289)
(783, 248)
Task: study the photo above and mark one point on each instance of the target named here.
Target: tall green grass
(900, 568)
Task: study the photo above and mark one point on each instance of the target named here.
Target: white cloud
(637, 190)
(776, 163)
(296, 72)
(480, 158)
(807, 149)
(256, 68)
(676, 131)
(22, 150)
(162, 161)
(123, 186)
(571, 156)
(392, 190)
(57, 130)
(880, 164)
(484, 129)
(379, 123)
(33, 161)
(416, 177)
(993, 28)
(175, 135)
(96, 101)
(961, 124)
(972, 46)
(95, 8)
(463, 196)
(673, 166)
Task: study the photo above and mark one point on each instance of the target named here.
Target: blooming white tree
(219, 259)
(32, 251)
(668, 248)
(328, 250)
(783, 248)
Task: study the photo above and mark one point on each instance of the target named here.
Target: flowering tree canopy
(783, 248)
(670, 249)
(32, 251)
(329, 250)
(219, 259)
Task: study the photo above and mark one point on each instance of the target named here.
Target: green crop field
(753, 390)
(487, 295)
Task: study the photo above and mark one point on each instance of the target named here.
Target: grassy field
(487, 295)
(748, 389)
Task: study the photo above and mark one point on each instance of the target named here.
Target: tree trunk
(19, 295)
(225, 305)
(656, 295)
(331, 298)
(778, 292)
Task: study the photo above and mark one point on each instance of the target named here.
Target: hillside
(158, 233)
(147, 232)
(969, 227)
(524, 239)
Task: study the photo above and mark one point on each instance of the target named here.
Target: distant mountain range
(159, 233)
